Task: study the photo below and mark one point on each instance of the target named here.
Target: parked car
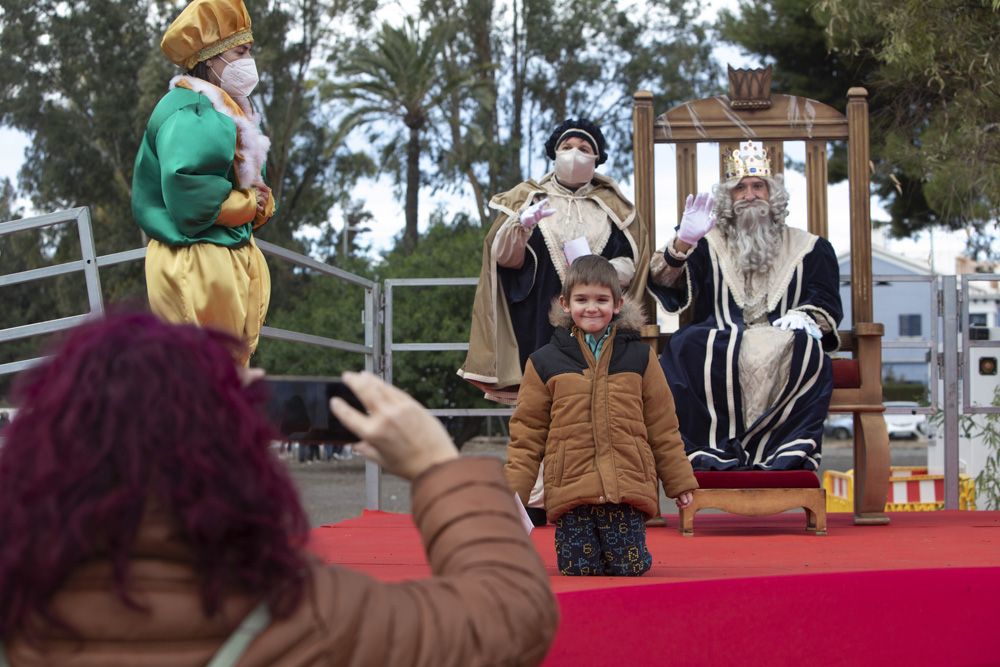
(909, 426)
(839, 427)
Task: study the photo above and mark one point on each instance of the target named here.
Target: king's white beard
(754, 241)
(753, 237)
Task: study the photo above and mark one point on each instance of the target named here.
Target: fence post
(88, 252)
(950, 325)
(374, 315)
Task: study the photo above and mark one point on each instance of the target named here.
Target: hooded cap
(205, 29)
(582, 128)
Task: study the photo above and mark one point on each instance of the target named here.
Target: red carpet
(920, 591)
(903, 617)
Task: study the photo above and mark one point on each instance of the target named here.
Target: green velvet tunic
(184, 172)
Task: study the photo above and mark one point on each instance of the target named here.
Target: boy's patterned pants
(602, 540)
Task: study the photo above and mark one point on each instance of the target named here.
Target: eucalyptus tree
(546, 60)
(937, 67)
(309, 164)
(930, 67)
(67, 80)
(81, 79)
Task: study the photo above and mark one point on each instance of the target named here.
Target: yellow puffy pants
(211, 286)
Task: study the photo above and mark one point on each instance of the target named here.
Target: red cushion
(757, 479)
(846, 374)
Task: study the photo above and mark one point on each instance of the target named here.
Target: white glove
(532, 215)
(796, 319)
(698, 218)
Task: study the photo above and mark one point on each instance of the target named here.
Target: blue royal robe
(701, 360)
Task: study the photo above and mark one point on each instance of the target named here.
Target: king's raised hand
(698, 218)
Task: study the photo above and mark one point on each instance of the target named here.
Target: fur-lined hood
(631, 317)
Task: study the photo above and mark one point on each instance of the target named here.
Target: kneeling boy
(595, 407)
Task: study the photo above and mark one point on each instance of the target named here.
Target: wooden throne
(750, 111)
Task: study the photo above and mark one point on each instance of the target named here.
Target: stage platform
(756, 591)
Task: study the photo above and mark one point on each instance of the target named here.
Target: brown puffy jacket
(489, 603)
(605, 429)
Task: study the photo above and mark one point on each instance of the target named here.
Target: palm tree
(399, 77)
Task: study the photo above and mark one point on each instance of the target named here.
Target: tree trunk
(410, 234)
(513, 167)
(481, 28)
(482, 208)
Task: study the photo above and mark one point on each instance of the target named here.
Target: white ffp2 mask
(239, 78)
(574, 167)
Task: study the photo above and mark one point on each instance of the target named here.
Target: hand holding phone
(397, 433)
(299, 408)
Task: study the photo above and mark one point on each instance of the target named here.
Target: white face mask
(239, 78)
(574, 167)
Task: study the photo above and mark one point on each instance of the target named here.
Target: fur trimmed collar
(631, 317)
(251, 144)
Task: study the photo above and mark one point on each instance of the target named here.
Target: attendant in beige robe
(525, 255)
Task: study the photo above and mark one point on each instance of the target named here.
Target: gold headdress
(750, 159)
(205, 29)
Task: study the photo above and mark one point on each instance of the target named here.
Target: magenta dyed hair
(130, 410)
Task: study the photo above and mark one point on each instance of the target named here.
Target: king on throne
(750, 373)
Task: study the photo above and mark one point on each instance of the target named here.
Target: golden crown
(750, 159)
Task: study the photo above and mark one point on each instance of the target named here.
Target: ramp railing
(949, 352)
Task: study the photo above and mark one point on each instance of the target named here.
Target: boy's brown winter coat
(605, 430)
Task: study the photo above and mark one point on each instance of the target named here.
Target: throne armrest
(858, 381)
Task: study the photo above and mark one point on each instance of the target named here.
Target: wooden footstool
(758, 493)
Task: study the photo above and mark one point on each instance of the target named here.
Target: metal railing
(391, 346)
(370, 348)
(948, 305)
(90, 264)
(930, 344)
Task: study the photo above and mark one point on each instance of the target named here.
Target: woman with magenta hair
(145, 521)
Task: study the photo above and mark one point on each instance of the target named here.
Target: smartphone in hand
(300, 408)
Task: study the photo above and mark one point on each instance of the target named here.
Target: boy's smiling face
(591, 307)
